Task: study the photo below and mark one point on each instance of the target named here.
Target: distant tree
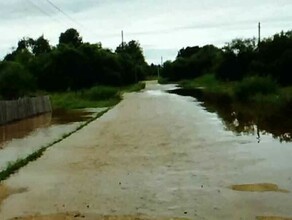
(40, 46)
(132, 61)
(188, 52)
(70, 37)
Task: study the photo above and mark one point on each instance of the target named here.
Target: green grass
(209, 84)
(133, 88)
(256, 89)
(13, 167)
(95, 97)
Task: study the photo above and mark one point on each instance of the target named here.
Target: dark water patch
(62, 116)
(20, 129)
(23, 128)
(246, 118)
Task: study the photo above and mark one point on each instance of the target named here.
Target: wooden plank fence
(23, 108)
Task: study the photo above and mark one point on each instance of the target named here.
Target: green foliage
(70, 37)
(235, 61)
(15, 80)
(192, 62)
(74, 65)
(255, 87)
(77, 100)
(100, 93)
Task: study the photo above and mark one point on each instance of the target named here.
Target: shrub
(251, 87)
(100, 93)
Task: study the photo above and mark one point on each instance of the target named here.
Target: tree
(70, 37)
(40, 46)
(15, 80)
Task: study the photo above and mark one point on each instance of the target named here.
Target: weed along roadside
(13, 167)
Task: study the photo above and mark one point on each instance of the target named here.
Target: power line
(68, 16)
(64, 13)
(39, 8)
(43, 11)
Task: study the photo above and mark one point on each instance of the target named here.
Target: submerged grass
(13, 167)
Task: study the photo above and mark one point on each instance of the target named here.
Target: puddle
(64, 117)
(247, 119)
(21, 138)
(78, 215)
(258, 187)
(20, 129)
(5, 192)
(272, 218)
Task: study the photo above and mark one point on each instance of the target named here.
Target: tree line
(35, 65)
(237, 60)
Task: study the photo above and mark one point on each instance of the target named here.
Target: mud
(5, 192)
(272, 218)
(258, 187)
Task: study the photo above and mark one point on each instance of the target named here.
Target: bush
(100, 93)
(15, 80)
(251, 87)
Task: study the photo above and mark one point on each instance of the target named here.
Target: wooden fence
(23, 108)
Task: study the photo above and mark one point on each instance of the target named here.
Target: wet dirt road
(154, 156)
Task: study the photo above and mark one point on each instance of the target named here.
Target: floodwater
(21, 138)
(155, 155)
(258, 120)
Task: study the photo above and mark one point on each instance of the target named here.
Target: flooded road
(154, 156)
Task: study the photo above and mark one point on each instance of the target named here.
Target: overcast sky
(161, 26)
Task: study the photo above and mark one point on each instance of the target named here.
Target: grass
(95, 97)
(13, 167)
(209, 84)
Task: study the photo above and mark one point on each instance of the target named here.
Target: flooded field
(20, 138)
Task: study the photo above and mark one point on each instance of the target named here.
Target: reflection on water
(256, 119)
(20, 129)
(21, 138)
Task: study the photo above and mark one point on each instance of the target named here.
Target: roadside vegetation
(243, 69)
(97, 96)
(75, 73)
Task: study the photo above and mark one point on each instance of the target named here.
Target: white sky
(161, 26)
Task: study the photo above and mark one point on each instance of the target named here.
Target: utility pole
(159, 66)
(122, 39)
(259, 36)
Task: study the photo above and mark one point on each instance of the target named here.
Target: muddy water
(157, 155)
(21, 138)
